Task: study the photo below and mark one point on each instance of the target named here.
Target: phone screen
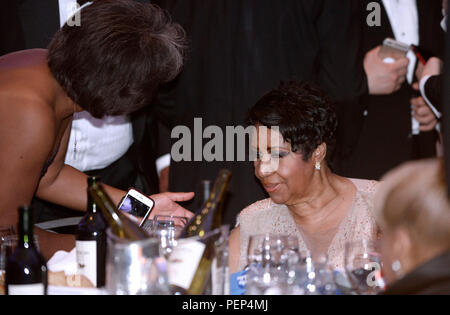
(133, 206)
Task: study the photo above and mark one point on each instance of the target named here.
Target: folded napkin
(63, 277)
(63, 261)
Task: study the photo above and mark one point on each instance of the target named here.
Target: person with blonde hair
(413, 210)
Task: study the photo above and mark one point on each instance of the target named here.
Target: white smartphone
(392, 50)
(137, 204)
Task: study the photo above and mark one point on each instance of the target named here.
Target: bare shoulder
(27, 122)
(25, 75)
(26, 112)
(27, 92)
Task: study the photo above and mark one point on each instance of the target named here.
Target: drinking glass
(314, 276)
(167, 228)
(219, 268)
(269, 269)
(363, 266)
(6, 231)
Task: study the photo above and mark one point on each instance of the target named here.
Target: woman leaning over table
(413, 210)
(307, 199)
(111, 64)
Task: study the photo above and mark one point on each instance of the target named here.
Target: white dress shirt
(404, 20)
(98, 142)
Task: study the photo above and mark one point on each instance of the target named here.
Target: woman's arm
(67, 186)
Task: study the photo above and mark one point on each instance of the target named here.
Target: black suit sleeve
(446, 110)
(11, 36)
(433, 91)
(340, 72)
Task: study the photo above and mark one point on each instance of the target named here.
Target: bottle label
(26, 289)
(87, 260)
(238, 282)
(184, 261)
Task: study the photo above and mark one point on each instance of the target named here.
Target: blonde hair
(414, 196)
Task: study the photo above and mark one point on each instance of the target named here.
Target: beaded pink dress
(264, 216)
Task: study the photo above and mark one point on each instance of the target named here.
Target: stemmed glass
(6, 232)
(166, 229)
(363, 266)
(269, 257)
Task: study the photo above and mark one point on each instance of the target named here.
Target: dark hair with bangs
(303, 113)
(113, 63)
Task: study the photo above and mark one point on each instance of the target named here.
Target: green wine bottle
(190, 261)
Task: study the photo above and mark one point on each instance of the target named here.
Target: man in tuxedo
(123, 159)
(389, 135)
(446, 108)
(241, 49)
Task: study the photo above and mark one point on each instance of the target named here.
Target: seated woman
(307, 199)
(112, 64)
(413, 211)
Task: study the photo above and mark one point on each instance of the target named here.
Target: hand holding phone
(384, 78)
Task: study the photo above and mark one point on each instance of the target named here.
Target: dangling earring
(317, 166)
(397, 268)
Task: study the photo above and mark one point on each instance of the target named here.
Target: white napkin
(63, 261)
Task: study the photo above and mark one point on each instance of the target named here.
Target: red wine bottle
(91, 242)
(26, 269)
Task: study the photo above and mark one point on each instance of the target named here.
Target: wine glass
(363, 266)
(6, 230)
(268, 257)
(167, 228)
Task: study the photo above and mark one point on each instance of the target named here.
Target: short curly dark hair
(303, 113)
(115, 60)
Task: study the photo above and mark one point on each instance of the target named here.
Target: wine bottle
(120, 224)
(91, 242)
(190, 261)
(26, 269)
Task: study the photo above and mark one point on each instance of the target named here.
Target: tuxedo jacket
(433, 91)
(384, 136)
(32, 24)
(446, 109)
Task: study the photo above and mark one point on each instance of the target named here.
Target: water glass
(269, 257)
(363, 266)
(314, 276)
(135, 267)
(6, 231)
(166, 229)
(219, 268)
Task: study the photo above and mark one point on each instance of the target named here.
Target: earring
(397, 268)
(317, 166)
